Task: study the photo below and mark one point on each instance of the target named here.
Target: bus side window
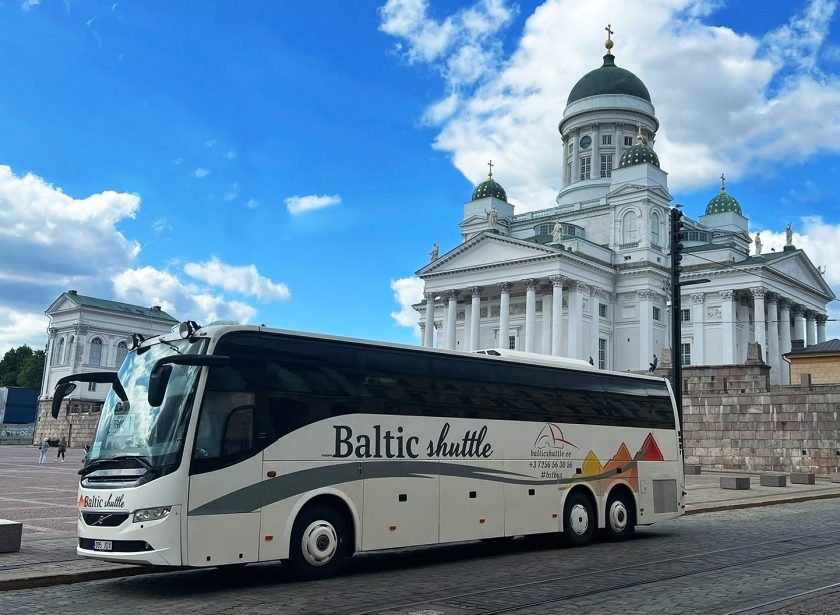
(238, 435)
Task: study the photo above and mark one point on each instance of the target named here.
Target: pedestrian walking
(62, 449)
(87, 453)
(45, 446)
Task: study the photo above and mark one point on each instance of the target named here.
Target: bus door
(223, 526)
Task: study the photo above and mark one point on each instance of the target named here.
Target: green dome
(639, 154)
(609, 79)
(723, 202)
(489, 188)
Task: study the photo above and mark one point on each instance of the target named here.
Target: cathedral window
(58, 353)
(585, 167)
(95, 351)
(543, 229)
(685, 315)
(602, 353)
(629, 228)
(92, 387)
(602, 310)
(122, 350)
(657, 313)
(628, 141)
(606, 164)
(606, 139)
(685, 353)
(655, 229)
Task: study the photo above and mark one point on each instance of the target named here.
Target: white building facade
(88, 334)
(589, 278)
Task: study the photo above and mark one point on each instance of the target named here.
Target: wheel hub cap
(618, 517)
(579, 519)
(319, 543)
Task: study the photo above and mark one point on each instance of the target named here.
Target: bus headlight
(151, 514)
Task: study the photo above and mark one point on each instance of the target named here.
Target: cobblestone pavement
(721, 562)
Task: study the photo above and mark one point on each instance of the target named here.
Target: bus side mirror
(158, 380)
(62, 390)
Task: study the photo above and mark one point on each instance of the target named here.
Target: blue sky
(292, 162)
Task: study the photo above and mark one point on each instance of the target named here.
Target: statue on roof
(434, 252)
(757, 244)
(788, 235)
(557, 233)
(491, 217)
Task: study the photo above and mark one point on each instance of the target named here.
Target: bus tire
(621, 518)
(578, 520)
(319, 543)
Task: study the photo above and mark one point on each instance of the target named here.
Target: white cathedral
(589, 278)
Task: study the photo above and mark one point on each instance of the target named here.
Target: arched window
(95, 351)
(122, 350)
(654, 229)
(58, 353)
(629, 227)
(66, 358)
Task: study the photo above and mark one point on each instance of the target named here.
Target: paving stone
(739, 483)
(773, 480)
(802, 478)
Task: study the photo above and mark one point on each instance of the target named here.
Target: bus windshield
(133, 428)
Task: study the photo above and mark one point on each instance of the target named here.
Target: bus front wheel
(319, 543)
(578, 520)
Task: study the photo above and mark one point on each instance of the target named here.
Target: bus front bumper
(153, 542)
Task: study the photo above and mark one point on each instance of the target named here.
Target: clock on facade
(585, 141)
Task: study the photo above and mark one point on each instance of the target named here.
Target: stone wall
(734, 419)
(76, 421)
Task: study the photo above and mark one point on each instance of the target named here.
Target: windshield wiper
(172, 347)
(93, 465)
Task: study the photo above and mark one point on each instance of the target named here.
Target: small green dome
(723, 202)
(488, 188)
(609, 79)
(639, 154)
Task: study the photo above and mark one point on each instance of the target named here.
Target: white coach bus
(234, 444)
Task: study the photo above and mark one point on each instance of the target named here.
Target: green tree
(32, 371)
(14, 362)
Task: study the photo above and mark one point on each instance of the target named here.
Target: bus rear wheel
(621, 520)
(319, 543)
(578, 520)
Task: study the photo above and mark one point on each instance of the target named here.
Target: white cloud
(299, 204)
(201, 172)
(231, 155)
(244, 279)
(160, 225)
(407, 291)
(765, 100)
(231, 194)
(178, 161)
(150, 286)
(252, 203)
(19, 328)
(25, 5)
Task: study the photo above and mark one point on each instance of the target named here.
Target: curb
(79, 577)
(788, 500)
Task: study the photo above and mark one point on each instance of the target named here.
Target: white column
(575, 134)
(556, 314)
(646, 327)
(773, 357)
(530, 314)
(544, 342)
(475, 317)
(575, 314)
(438, 342)
(698, 317)
(504, 315)
(799, 323)
(729, 323)
(451, 316)
(595, 329)
(784, 331)
(760, 320)
(596, 152)
(565, 158)
(821, 318)
(428, 339)
(811, 328)
(619, 142)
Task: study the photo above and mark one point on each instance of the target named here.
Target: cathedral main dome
(609, 79)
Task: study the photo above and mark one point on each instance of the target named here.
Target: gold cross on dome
(490, 173)
(609, 43)
(722, 182)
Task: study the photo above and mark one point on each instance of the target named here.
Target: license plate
(102, 545)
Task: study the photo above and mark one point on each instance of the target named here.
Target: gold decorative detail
(490, 173)
(640, 140)
(609, 42)
(722, 183)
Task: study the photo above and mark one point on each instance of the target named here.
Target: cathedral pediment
(486, 249)
(61, 304)
(635, 189)
(798, 266)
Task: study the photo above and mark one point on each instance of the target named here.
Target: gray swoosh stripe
(253, 497)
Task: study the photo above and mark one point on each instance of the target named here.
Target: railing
(627, 246)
